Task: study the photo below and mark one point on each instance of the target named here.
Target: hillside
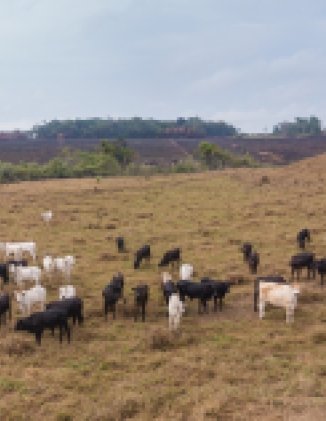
(268, 150)
(224, 366)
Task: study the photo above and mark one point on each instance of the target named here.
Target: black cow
(73, 308)
(171, 256)
(253, 262)
(220, 289)
(4, 272)
(302, 236)
(120, 242)
(320, 266)
(50, 319)
(141, 294)
(303, 260)
(273, 278)
(143, 253)
(246, 250)
(5, 306)
(201, 291)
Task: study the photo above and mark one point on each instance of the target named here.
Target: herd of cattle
(56, 314)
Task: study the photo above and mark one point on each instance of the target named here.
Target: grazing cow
(17, 249)
(64, 265)
(186, 272)
(278, 295)
(26, 299)
(246, 251)
(171, 256)
(302, 236)
(48, 264)
(5, 306)
(320, 266)
(37, 322)
(202, 291)
(303, 260)
(47, 216)
(220, 289)
(67, 291)
(141, 294)
(73, 308)
(29, 273)
(253, 262)
(143, 253)
(276, 279)
(120, 242)
(176, 308)
(112, 294)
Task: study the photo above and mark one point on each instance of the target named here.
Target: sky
(251, 63)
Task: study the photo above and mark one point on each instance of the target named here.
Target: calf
(303, 260)
(302, 236)
(274, 279)
(320, 266)
(26, 299)
(278, 295)
(37, 322)
(253, 262)
(186, 272)
(171, 256)
(72, 307)
(141, 294)
(176, 308)
(120, 242)
(112, 293)
(246, 251)
(143, 253)
(5, 306)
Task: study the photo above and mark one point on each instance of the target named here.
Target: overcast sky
(252, 63)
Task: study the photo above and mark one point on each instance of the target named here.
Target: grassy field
(224, 366)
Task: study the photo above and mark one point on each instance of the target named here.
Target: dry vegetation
(224, 366)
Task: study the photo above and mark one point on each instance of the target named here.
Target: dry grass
(224, 366)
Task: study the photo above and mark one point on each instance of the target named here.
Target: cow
(73, 308)
(67, 291)
(203, 291)
(320, 266)
(278, 295)
(302, 236)
(5, 306)
(141, 295)
(253, 261)
(112, 293)
(176, 308)
(186, 272)
(168, 288)
(12, 264)
(47, 216)
(220, 289)
(64, 265)
(171, 256)
(26, 299)
(120, 242)
(4, 272)
(246, 251)
(271, 278)
(303, 260)
(48, 264)
(29, 273)
(36, 323)
(143, 253)
(17, 249)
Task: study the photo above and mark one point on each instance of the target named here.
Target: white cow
(67, 291)
(176, 308)
(64, 265)
(48, 264)
(27, 273)
(186, 272)
(17, 249)
(281, 295)
(26, 299)
(47, 216)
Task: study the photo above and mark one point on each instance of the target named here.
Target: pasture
(223, 366)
